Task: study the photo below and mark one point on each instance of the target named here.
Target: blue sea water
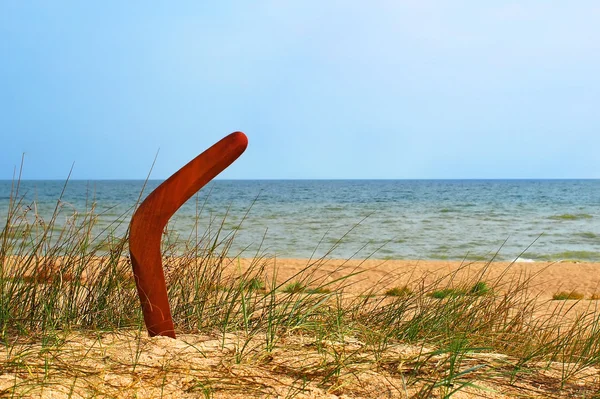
(386, 219)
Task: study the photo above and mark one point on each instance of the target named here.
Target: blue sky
(323, 89)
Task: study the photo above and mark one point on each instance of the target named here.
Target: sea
(524, 220)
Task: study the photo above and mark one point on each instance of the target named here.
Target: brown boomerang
(149, 220)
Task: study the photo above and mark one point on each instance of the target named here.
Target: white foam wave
(524, 260)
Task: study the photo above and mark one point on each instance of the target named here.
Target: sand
(129, 364)
(376, 276)
(545, 278)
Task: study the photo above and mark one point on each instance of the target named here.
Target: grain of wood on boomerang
(150, 219)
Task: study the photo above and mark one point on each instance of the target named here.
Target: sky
(419, 89)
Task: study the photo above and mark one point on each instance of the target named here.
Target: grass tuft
(480, 288)
(448, 293)
(399, 291)
(567, 295)
(294, 288)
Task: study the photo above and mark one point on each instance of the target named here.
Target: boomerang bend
(149, 220)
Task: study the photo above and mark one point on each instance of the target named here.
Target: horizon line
(320, 179)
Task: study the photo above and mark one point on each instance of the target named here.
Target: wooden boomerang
(149, 220)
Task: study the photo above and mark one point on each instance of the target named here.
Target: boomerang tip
(240, 138)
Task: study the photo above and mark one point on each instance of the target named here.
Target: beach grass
(399, 291)
(71, 324)
(564, 295)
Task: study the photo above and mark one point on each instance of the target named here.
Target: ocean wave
(448, 210)
(524, 260)
(571, 216)
(588, 234)
(580, 256)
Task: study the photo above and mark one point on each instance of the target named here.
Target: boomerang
(149, 220)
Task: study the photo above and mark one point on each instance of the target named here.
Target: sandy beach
(375, 276)
(544, 278)
(344, 364)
